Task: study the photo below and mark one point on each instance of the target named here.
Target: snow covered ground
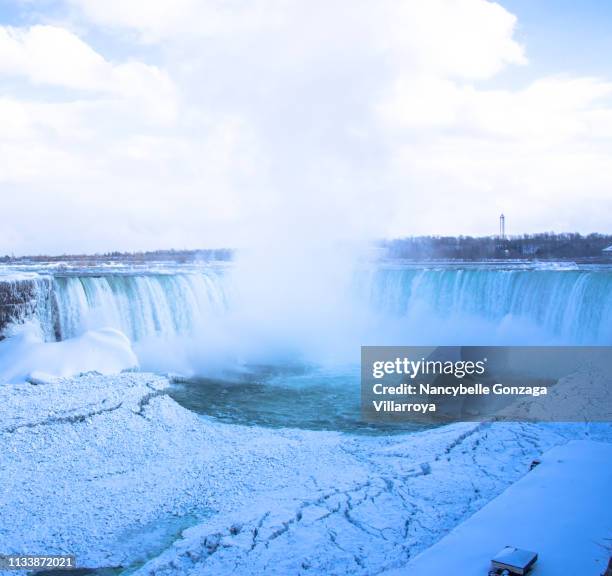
(111, 469)
(561, 510)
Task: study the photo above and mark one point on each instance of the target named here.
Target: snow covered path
(561, 510)
(112, 470)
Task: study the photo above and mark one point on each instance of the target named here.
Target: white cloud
(51, 55)
(551, 109)
(162, 19)
(282, 119)
(451, 38)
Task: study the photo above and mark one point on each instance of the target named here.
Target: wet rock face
(22, 300)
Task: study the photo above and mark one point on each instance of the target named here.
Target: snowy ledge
(111, 469)
(560, 510)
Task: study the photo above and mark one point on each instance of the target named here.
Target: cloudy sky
(144, 124)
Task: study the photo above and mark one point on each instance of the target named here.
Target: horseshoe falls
(383, 304)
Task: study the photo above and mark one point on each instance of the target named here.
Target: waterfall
(139, 305)
(573, 306)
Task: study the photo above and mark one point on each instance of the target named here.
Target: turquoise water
(306, 397)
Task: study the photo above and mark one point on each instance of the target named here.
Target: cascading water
(139, 305)
(570, 306)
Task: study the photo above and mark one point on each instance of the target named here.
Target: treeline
(178, 256)
(528, 246)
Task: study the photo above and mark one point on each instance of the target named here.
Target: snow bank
(25, 354)
(561, 510)
(10, 275)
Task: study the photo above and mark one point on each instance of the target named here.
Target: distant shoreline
(567, 247)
